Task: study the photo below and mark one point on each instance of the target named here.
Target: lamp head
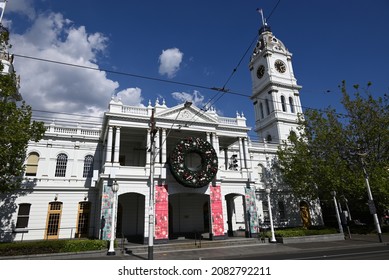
(115, 186)
(268, 191)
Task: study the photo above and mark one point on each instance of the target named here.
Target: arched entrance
(305, 214)
(236, 213)
(188, 215)
(131, 213)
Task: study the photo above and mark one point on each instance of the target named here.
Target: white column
(164, 151)
(246, 152)
(240, 152)
(215, 143)
(108, 157)
(208, 137)
(117, 145)
(148, 151)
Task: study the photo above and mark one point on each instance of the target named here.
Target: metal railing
(24, 234)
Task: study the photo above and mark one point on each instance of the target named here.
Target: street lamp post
(373, 210)
(111, 250)
(273, 238)
(333, 193)
(348, 209)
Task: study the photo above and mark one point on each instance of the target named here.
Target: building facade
(185, 171)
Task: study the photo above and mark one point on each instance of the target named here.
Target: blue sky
(192, 42)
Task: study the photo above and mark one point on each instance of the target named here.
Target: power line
(272, 11)
(115, 72)
(157, 80)
(223, 90)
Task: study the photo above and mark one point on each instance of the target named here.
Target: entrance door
(131, 217)
(188, 214)
(53, 220)
(304, 214)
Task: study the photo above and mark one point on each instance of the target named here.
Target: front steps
(186, 244)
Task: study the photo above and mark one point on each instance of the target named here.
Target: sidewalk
(222, 252)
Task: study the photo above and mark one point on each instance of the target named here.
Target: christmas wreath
(193, 178)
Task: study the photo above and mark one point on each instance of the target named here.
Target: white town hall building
(208, 177)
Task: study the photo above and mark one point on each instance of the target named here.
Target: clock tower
(275, 93)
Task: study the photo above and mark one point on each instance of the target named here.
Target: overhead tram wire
(153, 79)
(114, 72)
(223, 90)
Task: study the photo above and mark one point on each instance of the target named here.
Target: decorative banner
(106, 212)
(161, 212)
(216, 211)
(251, 209)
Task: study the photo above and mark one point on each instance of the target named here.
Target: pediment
(191, 114)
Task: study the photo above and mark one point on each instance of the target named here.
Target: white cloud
(24, 7)
(131, 96)
(169, 62)
(196, 98)
(61, 88)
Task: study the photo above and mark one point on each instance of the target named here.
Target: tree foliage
(325, 153)
(16, 127)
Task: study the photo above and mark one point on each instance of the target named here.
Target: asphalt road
(378, 252)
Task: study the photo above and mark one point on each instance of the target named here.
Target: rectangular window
(281, 210)
(265, 210)
(23, 215)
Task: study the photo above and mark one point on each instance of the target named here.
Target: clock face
(280, 66)
(260, 71)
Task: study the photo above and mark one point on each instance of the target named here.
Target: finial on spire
(260, 11)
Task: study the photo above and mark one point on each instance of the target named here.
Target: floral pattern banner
(106, 212)
(251, 209)
(161, 212)
(216, 211)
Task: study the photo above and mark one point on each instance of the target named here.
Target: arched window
(261, 110)
(267, 107)
(269, 138)
(291, 104)
(283, 103)
(60, 169)
(88, 166)
(32, 164)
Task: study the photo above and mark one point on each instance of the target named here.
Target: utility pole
(153, 131)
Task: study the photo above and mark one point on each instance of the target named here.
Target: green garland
(193, 178)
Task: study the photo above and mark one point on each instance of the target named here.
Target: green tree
(16, 127)
(324, 154)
